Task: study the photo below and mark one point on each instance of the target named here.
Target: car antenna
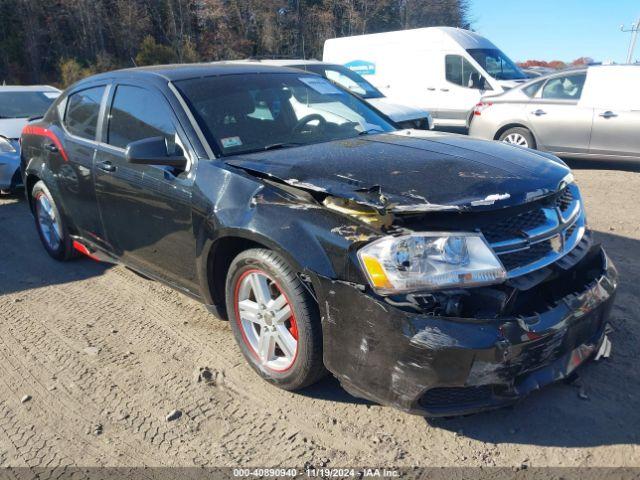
(134, 62)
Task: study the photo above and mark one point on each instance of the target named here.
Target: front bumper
(441, 366)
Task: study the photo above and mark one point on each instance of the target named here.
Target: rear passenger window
(568, 87)
(83, 108)
(136, 114)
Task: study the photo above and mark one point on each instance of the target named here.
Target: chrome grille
(526, 256)
(514, 227)
(565, 199)
(538, 237)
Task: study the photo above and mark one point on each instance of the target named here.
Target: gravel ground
(99, 367)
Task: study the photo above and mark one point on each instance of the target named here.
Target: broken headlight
(430, 261)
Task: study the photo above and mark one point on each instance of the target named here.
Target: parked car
(583, 113)
(444, 70)
(436, 273)
(17, 104)
(403, 115)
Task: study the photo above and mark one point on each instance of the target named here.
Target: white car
(17, 105)
(404, 115)
(444, 70)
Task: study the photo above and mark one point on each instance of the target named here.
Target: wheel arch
(220, 252)
(510, 125)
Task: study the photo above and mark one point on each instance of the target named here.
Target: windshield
(254, 112)
(25, 104)
(496, 64)
(346, 78)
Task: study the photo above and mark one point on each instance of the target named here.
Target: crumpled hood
(414, 171)
(396, 111)
(12, 127)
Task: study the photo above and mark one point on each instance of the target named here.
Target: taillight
(477, 110)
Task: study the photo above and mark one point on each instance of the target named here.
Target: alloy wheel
(266, 320)
(48, 222)
(516, 139)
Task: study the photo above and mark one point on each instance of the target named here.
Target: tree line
(61, 41)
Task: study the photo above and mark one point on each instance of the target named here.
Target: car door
(146, 209)
(81, 114)
(457, 93)
(558, 121)
(616, 114)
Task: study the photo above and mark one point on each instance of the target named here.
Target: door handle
(539, 113)
(51, 147)
(608, 114)
(444, 89)
(107, 166)
(431, 89)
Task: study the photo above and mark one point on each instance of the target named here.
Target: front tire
(50, 225)
(518, 136)
(274, 320)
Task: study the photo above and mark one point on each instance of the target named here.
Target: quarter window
(532, 89)
(83, 108)
(458, 70)
(568, 87)
(136, 114)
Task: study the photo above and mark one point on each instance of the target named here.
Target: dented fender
(308, 235)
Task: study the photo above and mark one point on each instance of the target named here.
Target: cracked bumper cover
(442, 366)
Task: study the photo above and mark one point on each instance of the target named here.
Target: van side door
(146, 209)
(459, 91)
(559, 123)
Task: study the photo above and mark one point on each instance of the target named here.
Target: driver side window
(458, 70)
(137, 114)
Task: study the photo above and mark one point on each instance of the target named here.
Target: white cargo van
(444, 70)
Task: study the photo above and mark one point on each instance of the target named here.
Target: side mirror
(154, 151)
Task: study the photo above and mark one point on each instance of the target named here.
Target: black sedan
(433, 272)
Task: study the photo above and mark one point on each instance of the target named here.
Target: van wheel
(518, 136)
(51, 228)
(274, 320)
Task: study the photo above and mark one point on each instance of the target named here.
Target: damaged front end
(526, 320)
(461, 350)
(448, 354)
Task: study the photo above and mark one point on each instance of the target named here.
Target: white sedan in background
(17, 105)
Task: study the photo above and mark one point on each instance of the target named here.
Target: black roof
(193, 70)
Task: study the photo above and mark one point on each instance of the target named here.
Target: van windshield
(256, 112)
(497, 64)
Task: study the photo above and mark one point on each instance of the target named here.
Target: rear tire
(51, 228)
(518, 136)
(274, 320)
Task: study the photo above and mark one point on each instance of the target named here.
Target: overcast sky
(557, 29)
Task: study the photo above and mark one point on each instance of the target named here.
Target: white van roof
(447, 35)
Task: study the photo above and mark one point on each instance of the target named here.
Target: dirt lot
(93, 358)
